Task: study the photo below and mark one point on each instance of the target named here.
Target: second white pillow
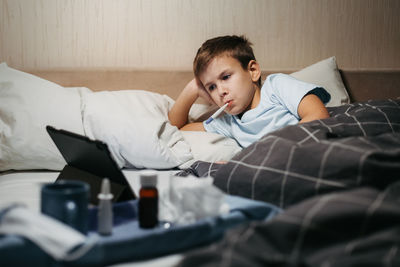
(326, 74)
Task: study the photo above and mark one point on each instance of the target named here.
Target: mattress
(24, 186)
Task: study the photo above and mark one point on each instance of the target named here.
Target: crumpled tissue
(188, 199)
(55, 238)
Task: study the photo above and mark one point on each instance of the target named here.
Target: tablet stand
(120, 192)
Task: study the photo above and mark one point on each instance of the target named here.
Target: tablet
(91, 161)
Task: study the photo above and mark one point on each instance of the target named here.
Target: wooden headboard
(361, 85)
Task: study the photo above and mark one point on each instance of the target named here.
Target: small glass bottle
(148, 199)
(105, 214)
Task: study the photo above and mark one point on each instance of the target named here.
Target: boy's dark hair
(238, 47)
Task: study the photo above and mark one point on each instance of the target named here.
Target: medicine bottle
(105, 214)
(148, 199)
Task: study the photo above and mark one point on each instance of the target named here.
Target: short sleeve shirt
(280, 97)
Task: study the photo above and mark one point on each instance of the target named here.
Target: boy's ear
(254, 69)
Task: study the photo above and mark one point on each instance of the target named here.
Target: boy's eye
(211, 87)
(226, 77)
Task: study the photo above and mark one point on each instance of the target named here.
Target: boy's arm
(311, 108)
(194, 126)
(178, 115)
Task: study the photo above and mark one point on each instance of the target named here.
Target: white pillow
(135, 126)
(326, 74)
(27, 104)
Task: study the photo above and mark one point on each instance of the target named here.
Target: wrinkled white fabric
(135, 126)
(52, 236)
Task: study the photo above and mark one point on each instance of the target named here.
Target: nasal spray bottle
(105, 214)
(148, 199)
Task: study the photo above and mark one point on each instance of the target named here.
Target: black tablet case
(90, 161)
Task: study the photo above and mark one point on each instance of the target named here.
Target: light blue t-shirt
(280, 97)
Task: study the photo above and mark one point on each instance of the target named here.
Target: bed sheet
(24, 186)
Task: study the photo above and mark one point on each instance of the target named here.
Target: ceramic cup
(67, 201)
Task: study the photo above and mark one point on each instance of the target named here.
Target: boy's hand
(178, 115)
(201, 91)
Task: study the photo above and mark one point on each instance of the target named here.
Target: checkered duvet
(338, 180)
(358, 145)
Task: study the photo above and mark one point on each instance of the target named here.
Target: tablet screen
(88, 155)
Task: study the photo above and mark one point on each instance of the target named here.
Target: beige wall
(164, 34)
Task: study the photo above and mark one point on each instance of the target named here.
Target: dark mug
(67, 201)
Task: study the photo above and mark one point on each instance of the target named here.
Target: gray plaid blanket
(358, 227)
(358, 145)
(338, 180)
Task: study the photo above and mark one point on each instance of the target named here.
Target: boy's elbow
(195, 126)
(177, 121)
(323, 114)
(311, 108)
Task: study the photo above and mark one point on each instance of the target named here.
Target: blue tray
(128, 242)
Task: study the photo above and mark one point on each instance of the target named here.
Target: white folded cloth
(55, 238)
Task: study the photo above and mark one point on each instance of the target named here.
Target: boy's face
(227, 82)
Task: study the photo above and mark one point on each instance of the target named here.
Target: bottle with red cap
(148, 199)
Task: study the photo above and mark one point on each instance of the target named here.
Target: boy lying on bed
(226, 71)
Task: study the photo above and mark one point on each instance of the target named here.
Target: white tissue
(189, 199)
(54, 237)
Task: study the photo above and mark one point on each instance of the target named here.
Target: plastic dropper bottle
(105, 214)
(148, 199)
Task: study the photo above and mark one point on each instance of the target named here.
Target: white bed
(24, 186)
(133, 123)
